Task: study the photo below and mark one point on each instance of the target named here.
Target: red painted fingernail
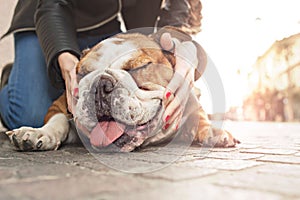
(167, 126)
(177, 127)
(75, 92)
(168, 95)
(167, 118)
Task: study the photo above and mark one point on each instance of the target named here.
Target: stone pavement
(6, 44)
(265, 166)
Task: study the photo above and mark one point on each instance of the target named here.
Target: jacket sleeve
(184, 14)
(56, 31)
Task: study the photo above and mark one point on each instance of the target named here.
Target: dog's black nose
(106, 85)
(104, 88)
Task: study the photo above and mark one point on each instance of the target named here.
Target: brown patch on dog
(86, 63)
(146, 60)
(118, 42)
(97, 47)
(150, 68)
(140, 41)
(149, 76)
(136, 61)
(85, 52)
(58, 106)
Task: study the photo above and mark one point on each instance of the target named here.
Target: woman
(49, 36)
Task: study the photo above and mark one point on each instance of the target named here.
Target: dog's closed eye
(139, 68)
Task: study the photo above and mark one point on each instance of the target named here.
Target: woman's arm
(184, 14)
(56, 31)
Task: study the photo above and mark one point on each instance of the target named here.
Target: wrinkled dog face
(121, 89)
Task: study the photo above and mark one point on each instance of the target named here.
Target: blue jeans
(28, 95)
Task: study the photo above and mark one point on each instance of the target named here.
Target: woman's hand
(177, 91)
(67, 63)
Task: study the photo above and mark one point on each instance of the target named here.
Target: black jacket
(58, 22)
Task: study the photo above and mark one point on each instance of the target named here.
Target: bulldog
(121, 82)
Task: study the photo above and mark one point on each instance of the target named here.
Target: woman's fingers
(69, 97)
(175, 83)
(175, 119)
(67, 63)
(166, 42)
(71, 89)
(187, 52)
(177, 104)
(177, 92)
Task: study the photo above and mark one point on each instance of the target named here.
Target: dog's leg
(48, 137)
(210, 136)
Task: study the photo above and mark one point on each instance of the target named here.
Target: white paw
(33, 139)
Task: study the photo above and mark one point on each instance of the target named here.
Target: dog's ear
(202, 60)
(85, 51)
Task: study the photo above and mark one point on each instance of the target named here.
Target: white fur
(51, 134)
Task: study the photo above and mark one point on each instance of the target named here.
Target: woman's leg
(26, 98)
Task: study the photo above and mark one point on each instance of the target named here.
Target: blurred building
(275, 83)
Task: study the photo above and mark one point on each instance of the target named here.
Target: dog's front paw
(221, 138)
(32, 139)
(214, 137)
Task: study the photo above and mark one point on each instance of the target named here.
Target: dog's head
(121, 85)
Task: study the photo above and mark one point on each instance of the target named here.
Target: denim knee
(28, 95)
(23, 116)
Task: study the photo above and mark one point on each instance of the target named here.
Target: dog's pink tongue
(106, 133)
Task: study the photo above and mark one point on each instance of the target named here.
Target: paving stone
(33, 172)
(248, 146)
(74, 173)
(231, 165)
(5, 195)
(224, 149)
(254, 180)
(269, 151)
(197, 152)
(292, 147)
(188, 158)
(280, 159)
(234, 155)
(6, 173)
(137, 162)
(284, 170)
(80, 187)
(195, 190)
(135, 166)
(297, 141)
(179, 173)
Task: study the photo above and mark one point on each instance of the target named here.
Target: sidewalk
(265, 166)
(6, 44)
